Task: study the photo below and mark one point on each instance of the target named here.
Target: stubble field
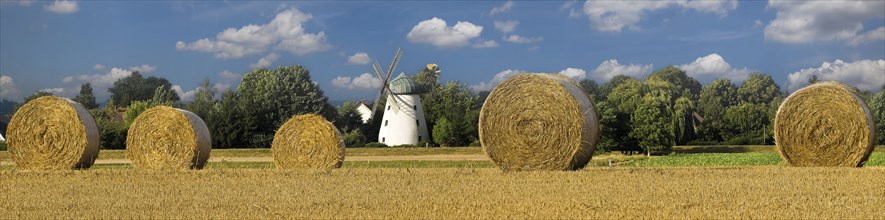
(468, 189)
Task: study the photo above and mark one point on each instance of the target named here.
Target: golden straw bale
(824, 124)
(538, 122)
(163, 138)
(308, 141)
(52, 133)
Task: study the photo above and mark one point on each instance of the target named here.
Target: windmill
(403, 121)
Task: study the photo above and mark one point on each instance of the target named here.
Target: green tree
(758, 89)
(877, 106)
(86, 98)
(111, 132)
(428, 78)
(715, 98)
(627, 96)
(812, 79)
(161, 97)
(591, 89)
(457, 103)
(747, 123)
(682, 116)
(228, 124)
(685, 85)
(349, 118)
(136, 88)
(609, 86)
(614, 129)
(652, 124)
(204, 100)
(270, 97)
(444, 132)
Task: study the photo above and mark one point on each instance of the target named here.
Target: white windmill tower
(403, 121)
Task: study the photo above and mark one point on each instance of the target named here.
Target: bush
(476, 143)
(111, 133)
(2, 145)
(375, 144)
(745, 140)
(701, 142)
(444, 132)
(354, 138)
(425, 144)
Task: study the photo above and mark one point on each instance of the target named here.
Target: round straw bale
(308, 141)
(824, 124)
(52, 133)
(538, 122)
(163, 138)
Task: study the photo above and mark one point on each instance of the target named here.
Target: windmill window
(382, 139)
(388, 107)
(417, 122)
(385, 122)
(419, 138)
(415, 107)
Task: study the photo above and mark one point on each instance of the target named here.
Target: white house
(403, 121)
(364, 110)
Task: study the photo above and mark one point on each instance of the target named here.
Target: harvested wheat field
(761, 192)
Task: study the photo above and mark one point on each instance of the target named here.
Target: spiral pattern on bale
(308, 141)
(52, 133)
(538, 122)
(824, 124)
(166, 138)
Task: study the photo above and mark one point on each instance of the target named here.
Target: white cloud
(228, 78)
(809, 21)
(98, 67)
(364, 81)
(497, 79)
(26, 2)
(576, 74)
(359, 58)
(870, 36)
(863, 74)
(513, 38)
(60, 7)
(757, 24)
(506, 26)
(567, 5)
(485, 44)
(614, 16)
(436, 32)
(714, 66)
(285, 32)
(8, 90)
(501, 9)
(144, 68)
(265, 61)
(185, 96)
(611, 68)
(54, 91)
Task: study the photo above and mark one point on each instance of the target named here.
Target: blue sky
(58, 45)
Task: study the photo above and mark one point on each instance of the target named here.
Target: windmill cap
(403, 84)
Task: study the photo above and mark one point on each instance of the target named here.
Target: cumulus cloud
(614, 16)
(501, 9)
(863, 74)
(513, 38)
(809, 21)
(98, 67)
(714, 66)
(26, 2)
(359, 58)
(144, 68)
(485, 44)
(60, 7)
(8, 90)
(436, 32)
(285, 32)
(497, 79)
(228, 79)
(870, 36)
(611, 68)
(576, 74)
(506, 26)
(185, 96)
(265, 61)
(364, 81)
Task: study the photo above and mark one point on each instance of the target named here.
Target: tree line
(667, 108)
